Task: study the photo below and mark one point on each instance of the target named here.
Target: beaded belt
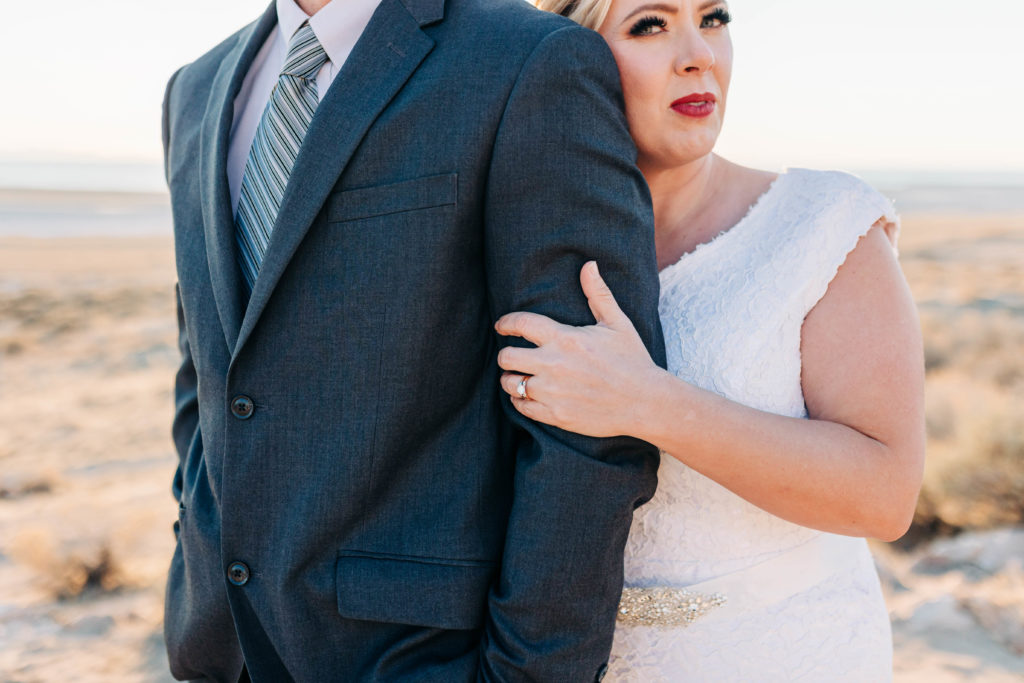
(766, 583)
(665, 606)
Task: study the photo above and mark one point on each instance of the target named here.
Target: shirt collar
(337, 26)
(289, 18)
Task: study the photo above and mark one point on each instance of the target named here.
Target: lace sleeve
(847, 210)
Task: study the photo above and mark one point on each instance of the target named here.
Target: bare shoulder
(861, 349)
(870, 265)
(867, 297)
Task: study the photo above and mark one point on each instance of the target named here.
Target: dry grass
(67, 571)
(21, 484)
(971, 296)
(987, 345)
(975, 474)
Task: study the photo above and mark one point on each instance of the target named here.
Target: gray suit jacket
(358, 500)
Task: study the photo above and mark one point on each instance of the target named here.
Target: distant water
(83, 176)
(61, 213)
(40, 199)
(63, 199)
(939, 192)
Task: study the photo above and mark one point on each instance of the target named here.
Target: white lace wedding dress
(798, 604)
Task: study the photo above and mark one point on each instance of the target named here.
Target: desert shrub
(976, 479)
(940, 417)
(70, 570)
(987, 344)
(19, 485)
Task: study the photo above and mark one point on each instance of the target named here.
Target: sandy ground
(87, 343)
(87, 358)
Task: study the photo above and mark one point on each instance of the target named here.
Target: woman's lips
(697, 105)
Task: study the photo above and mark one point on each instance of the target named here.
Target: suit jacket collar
(425, 11)
(386, 55)
(218, 221)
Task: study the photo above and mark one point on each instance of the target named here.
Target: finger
(600, 298)
(533, 410)
(522, 361)
(510, 383)
(533, 327)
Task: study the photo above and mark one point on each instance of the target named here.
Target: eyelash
(720, 15)
(642, 27)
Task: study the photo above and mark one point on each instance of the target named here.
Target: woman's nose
(694, 54)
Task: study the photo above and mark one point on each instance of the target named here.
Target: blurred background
(922, 98)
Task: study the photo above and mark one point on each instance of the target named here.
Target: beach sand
(87, 358)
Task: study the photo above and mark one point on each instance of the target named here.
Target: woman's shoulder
(833, 205)
(837, 191)
(813, 190)
(827, 214)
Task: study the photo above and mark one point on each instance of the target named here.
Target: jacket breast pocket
(382, 200)
(398, 589)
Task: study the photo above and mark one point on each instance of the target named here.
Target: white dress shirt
(337, 26)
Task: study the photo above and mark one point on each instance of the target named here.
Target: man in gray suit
(357, 500)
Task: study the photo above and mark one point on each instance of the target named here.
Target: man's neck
(311, 7)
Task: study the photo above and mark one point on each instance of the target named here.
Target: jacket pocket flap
(404, 590)
(380, 200)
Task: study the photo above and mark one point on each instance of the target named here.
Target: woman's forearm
(815, 473)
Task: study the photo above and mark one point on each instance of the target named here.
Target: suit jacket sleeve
(564, 188)
(185, 427)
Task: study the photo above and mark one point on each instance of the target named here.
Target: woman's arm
(853, 468)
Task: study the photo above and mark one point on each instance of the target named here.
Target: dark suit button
(238, 573)
(242, 407)
(601, 673)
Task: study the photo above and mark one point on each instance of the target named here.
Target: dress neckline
(704, 247)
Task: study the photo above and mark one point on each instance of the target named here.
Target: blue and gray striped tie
(278, 138)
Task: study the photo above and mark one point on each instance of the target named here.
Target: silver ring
(521, 388)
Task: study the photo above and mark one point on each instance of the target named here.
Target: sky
(872, 84)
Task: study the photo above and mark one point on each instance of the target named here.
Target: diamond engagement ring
(521, 388)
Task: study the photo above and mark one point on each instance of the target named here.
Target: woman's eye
(648, 26)
(716, 19)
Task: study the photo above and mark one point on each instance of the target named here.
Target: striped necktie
(274, 149)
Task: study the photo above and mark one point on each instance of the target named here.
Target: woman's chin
(667, 158)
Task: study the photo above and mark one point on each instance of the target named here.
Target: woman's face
(675, 59)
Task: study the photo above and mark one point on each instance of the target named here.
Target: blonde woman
(791, 416)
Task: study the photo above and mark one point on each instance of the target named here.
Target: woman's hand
(590, 380)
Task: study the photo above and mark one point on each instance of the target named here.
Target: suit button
(601, 673)
(238, 573)
(242, 407)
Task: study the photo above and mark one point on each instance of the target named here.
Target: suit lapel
(218, 221)
(386, 55)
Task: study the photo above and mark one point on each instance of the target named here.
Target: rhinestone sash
(766, 583)
(665, 606)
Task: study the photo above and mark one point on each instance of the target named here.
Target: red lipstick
(697, 105)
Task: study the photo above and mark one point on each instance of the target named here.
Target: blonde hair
(588, 13)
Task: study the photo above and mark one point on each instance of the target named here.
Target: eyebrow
(670, 9)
